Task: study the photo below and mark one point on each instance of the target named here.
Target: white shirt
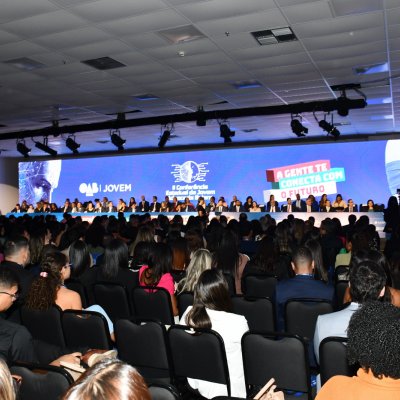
(231, 327)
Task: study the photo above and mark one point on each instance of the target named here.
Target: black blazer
(154, 207)
(143, 206)
(355, 208)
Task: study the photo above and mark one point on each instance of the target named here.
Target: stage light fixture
(343, 105)
(297, 127)
(72, 145)
(225, 131)
(329, 127)
(44, 147)
(117, 140)
(201, 120)
(166, 134)
(23, 149)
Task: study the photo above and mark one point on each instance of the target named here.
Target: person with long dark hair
(391, 216)
(212, 309)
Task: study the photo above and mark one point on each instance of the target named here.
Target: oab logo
(89, 188)
(189, 172)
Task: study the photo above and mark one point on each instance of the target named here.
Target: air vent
(250, 130)
(274, 36)
(182, 34)
(102, 141)
(247, 84)
(104, 63)
(25, 63)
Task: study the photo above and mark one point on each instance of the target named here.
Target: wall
(8, 184)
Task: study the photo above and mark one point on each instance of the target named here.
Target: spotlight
(201, 120)
(23, 149)
(117, 140)
(297, 127)
(72, 145)
(225, 132)
(167, 130)
(343, 105)
(44, 147)
(329, 128)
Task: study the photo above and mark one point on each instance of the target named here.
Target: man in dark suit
(155, 205)
(289, 206)
(272, 205)
(221, 206)
(168, 204)
(211, 205)
(299, 205)
(237, 207)
(351, 207)
(143, 205)
(328, 207)
(110, 207)
(233, 202)
(66, 208)
(303, 285)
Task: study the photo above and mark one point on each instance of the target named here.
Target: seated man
(303, 285)
(16, 343)
(367, 282)
(374, 344)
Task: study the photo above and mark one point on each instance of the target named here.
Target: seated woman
(254, 207)
(370, 206)
(201, 260)
(375, 345)
(157, 273)
(339, 204)
(212, 308)
(49, 289)
(321, 203)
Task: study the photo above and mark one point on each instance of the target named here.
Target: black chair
(185, 299)
(178, 274)
(144, 345)
(301, 315)
(44, 325)
(41, 381)
(342, 273)
(163, 392)
(279, 355)
(259, 285)
(340, 290)
(153, 303)
(259, 312)
(77, 286)
(203, 345)
(86, 329)
(333, 359)
(114, 298)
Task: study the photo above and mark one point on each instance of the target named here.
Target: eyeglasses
(13, 295)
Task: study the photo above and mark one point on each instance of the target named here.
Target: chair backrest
(259, 285)
(41, 381)
(177, 274)
(279, 355)
(114, 299)
(144, 345)
(203, 345)
(153, 303)
(44, 325)
(342, 273)
(185, 299)
(231, 283)
(77, 286)
(340, 290)
(301, 315)
(160, 391)
(259, 312)
(86, 329)
(333, 359)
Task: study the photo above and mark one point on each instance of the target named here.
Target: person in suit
(66, 207)
(300, 205)
(155, 205)
(221, 206)
(237, 207)
(143, 205)
(187, 206)
(110, 207)
(367, 283)
(303, 285)
(211, 205)
(233, 202)
(289, 206)
(351, 207)
(327, 207)
(272, 205)
(168, 203)
(16, 209)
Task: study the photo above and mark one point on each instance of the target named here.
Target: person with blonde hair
(201, 260)
(109, 380)
(6, 383)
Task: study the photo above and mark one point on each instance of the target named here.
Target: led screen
(358, 170)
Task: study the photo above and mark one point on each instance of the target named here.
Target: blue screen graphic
(359, 170)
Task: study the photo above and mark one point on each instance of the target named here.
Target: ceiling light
(165, 136)
(225, 132)
(343, 105)
(297, 127)
(72, 145)
(117, 140)
(23, 149)
(329, 127)
(44, 147)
